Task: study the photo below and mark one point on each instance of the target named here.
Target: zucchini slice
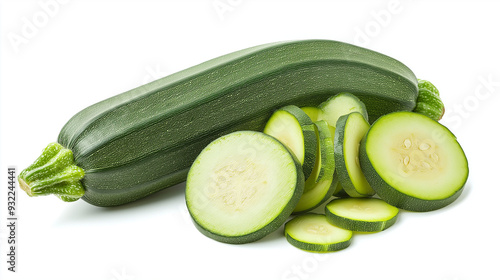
(341, 104)
(295, 129)
(350, 130)
(243, 186)
(413, 162)
(361, 214)
(312, 232)
(318, 187)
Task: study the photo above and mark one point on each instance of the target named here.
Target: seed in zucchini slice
(413, 162)
(361, 214)
(295, 129)
(312, 232)
(243, 186)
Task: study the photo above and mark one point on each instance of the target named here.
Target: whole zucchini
(144, 140)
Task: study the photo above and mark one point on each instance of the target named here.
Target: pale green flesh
(355, 129)
(417, 156)
(317, 187)
(240, 183)
(362, 209)
(285, 127)
(314, 113)
(315, 229)
(339, 105)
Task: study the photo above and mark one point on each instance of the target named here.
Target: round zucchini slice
(294, 128)
(413, 162)
(243, 186)
(350, 130)
(361, 214)
(312, 232)
(341, 104)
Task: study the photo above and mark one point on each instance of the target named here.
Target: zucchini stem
(53, 172)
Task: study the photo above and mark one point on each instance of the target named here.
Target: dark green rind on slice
(317, 248)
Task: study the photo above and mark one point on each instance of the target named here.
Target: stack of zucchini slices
(247, 184)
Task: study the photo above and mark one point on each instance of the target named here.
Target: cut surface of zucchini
(413, 162)
(341, 104)
(361, 214)
(294, 128)
(312, 232)
(314, 113)
(318, 187)
(243, 186)
(350, 130)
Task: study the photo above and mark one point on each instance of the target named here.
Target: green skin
(128, 152)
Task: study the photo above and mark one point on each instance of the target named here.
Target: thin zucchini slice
(243, 186)
(341, 104)
(350, 130)
(312, 232)
(413, 162)
(318, 187)
(295, 129)
(361, 214)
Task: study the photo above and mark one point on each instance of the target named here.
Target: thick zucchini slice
(295, 129)
(361, 214)
(413, 162)
(350, 130)
(318, 187)
(341, 104)
(243, 186)
(312, 232)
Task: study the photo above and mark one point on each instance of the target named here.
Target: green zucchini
(361, 214)
(294, 128)
(144, 140)
(413, 162)
(312, 232)
(243, 186)
(350, 130)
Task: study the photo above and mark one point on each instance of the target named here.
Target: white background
(57, 59)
